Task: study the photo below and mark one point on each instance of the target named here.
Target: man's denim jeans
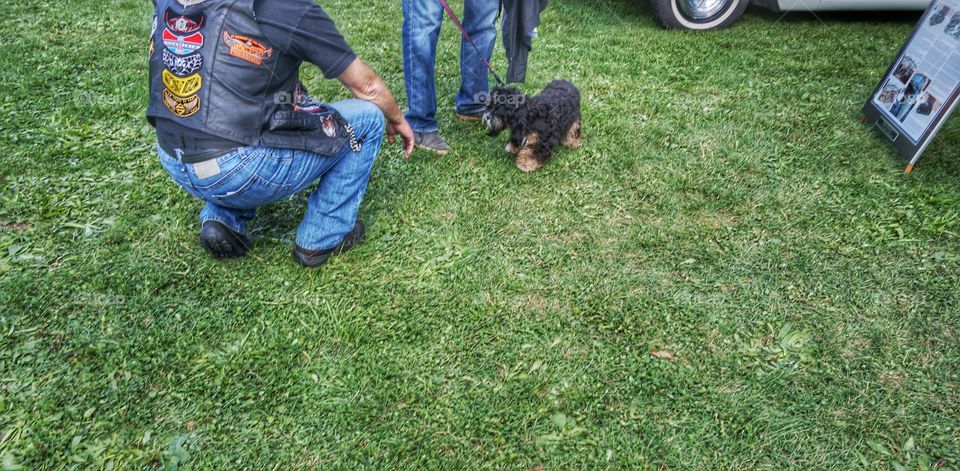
(421, 29)
(250, 177)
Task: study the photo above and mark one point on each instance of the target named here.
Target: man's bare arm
(365, 84)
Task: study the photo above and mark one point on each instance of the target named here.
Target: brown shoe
(432, 142)
(469, 117)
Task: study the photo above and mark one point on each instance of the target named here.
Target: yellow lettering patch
(182, 87)
(182, 107)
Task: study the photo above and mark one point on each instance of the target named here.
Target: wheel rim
(703, 10)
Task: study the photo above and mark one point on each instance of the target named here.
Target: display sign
(920, 89)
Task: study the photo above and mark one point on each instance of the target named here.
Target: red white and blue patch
(182, 45)
(182, 66)
(183, 24)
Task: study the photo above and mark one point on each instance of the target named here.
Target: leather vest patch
(182, 87)
(247, 49)
(182, 45)
(153, 35)
(182, 66)
(183, 24)
(182, 107)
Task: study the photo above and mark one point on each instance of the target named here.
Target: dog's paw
(512, 149)
(528, 164)
(573, 137)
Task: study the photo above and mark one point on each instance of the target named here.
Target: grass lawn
(727, 207)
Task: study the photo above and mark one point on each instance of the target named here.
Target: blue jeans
(249, 177)
(421, 29)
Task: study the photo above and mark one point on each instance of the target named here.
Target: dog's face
(504, 110)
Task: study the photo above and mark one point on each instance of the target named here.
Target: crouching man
(237, 129)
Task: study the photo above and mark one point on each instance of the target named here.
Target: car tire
(697, 14)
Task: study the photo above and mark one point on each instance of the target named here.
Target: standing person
(237, 129)
(421, 30)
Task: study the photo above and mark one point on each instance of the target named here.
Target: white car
(713, 14)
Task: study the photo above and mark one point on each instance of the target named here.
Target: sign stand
(921, 89)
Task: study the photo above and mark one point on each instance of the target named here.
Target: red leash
(456, 21)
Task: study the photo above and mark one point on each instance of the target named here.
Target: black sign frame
(893, 131)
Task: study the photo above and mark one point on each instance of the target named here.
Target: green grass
(726, 207)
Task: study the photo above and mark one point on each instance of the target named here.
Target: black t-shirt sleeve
(300, 28)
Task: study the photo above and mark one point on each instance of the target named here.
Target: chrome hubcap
(702, 10)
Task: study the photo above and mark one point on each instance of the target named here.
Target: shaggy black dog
(537, 123)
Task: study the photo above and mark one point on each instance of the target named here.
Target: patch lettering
(182, 87)
(183, 24)
(182, 66)
(190, 3)
(181, 107)
(182, 45)
(247, 49)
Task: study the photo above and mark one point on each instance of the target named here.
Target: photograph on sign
(926, 74)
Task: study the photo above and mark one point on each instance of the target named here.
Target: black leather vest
(212, 71)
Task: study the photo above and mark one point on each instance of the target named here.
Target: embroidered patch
(308, 105)
(183, 24)
(182, 87)
(247, 49)
(181, 107)
(182, 66)
(182, 45)
(190, 3)
(153, 33)
(304, 103)
(329, 126)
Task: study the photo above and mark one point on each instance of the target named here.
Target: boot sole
(316, 261)
(468, 118)
(221, 242)
(431, 149)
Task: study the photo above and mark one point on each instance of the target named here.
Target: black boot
(315, 258)
(223, 242)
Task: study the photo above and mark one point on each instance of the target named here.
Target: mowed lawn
(727, 211)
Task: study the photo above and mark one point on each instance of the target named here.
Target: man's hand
(364, 83)
(406, 136)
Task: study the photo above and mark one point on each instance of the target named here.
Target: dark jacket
(212, 72)
(520, 18)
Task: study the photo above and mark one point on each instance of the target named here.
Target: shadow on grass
(623, 9)
(942, 157)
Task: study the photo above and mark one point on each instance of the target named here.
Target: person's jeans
(421, 29)
(242, 180)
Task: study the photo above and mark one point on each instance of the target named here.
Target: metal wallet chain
(354, 144)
